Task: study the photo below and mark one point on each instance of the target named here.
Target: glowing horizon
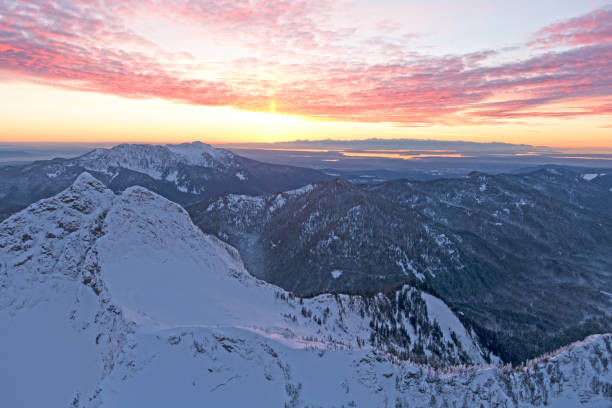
(268, 71)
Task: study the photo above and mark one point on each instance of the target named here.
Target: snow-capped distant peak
(198, 153)
(154, 160)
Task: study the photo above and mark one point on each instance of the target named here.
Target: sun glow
(42, 113)
(402, 156)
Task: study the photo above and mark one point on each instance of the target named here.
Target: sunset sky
(522, 71)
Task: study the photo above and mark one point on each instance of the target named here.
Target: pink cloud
(302, 62)
(592, 28)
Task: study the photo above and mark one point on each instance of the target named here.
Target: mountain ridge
(133, 265)
(184, 173)
(526, 253)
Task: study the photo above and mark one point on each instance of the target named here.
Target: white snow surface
(299, 191)
(590, 176)
(120, 301)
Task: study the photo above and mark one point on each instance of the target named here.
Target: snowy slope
(49, 320)
(112, 301)
(237, 369)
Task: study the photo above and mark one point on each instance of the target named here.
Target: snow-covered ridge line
(246, 204)
(157, 161)
(558, 353)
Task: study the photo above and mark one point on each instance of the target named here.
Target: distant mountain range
(185, 173)
(378, 160)
(120, 301)
(525, 259)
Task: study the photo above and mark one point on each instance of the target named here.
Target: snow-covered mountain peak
(200, 154)
(86, 182)
(86, 197)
